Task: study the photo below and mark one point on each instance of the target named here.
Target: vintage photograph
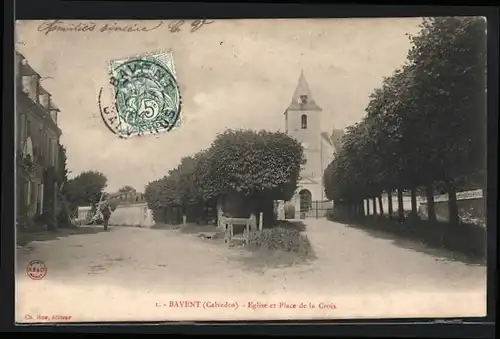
(277, 169)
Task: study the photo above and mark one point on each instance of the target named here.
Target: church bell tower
(303, 122)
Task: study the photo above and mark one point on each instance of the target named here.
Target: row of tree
(258, 167)
(425, 127)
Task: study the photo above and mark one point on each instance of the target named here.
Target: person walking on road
(106, 214)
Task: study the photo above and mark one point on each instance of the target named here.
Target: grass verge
(285, 244)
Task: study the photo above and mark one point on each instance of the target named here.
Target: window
(40, 199)
(303, 121)
(28, 127)
(49, 150)
(55, 153)
(28, 192)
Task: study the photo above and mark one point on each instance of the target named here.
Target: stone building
(303, 121)
(38, 170)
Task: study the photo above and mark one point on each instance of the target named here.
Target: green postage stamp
(146, 95)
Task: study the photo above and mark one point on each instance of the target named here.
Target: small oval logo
(36, 269)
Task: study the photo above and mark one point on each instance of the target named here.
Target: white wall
(421, 200)
(84, 213)
(132, 215)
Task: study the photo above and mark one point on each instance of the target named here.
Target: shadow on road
(415, 245)
(24, 239)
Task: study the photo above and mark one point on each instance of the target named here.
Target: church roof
(303, 99)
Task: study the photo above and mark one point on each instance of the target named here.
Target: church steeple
(303, 99)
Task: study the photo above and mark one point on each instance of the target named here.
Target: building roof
(24, 66)
(303, 99)
(43, 91)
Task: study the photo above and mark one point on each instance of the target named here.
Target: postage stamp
(145, 93)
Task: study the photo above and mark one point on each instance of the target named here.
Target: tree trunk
(380, 205)
(452, 202)
(201, 207)
(389, 202)
(367, 206)
(401, 209)
(414, 201)
(374, 202)
(431, 209)
(362, 208)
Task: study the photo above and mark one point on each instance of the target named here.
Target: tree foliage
(127, 189)
(426, 123)
(85, 189)
(255, 164)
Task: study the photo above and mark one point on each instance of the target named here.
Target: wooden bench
(250, 229)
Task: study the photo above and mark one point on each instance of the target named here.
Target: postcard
(231, 170)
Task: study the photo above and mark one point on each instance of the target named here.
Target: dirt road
(145, 274)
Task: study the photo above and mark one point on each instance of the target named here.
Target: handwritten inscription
(60, 26)
(176, 26)
(90, 26)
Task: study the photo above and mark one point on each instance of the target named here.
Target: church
(303, 121)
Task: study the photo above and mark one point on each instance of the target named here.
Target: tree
(449, 56)
(127, 189)
(85, 189)
(259, 166)
(425, 125)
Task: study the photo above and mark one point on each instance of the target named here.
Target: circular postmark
(146, 97)
(36, 269)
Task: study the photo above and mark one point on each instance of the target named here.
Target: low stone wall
(132, 215)
(467, 209)
(470, 204)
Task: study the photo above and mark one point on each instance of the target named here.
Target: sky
(231, 74)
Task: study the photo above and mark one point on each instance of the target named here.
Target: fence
(316, 209)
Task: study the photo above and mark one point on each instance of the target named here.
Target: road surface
(141, 274)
